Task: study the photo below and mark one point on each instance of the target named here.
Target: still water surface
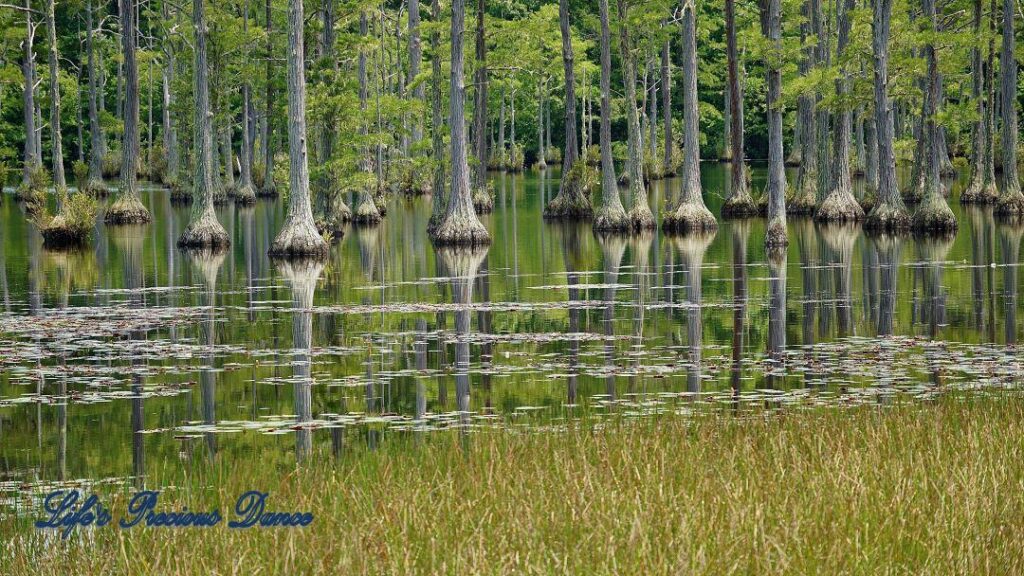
(132, 355)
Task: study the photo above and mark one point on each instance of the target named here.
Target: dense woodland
(340, 105)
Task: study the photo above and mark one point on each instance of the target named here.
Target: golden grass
(919, 489)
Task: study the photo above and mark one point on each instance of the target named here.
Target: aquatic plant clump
(483, 200)
(73, 225)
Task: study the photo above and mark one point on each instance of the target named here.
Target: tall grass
(920, 489)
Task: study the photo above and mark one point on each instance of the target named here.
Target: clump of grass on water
(930, 488)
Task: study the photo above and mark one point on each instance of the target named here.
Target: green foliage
(73, 224)
(81, 171)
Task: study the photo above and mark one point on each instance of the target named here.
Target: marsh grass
(931, 488)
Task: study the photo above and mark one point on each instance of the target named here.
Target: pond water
(131, 355)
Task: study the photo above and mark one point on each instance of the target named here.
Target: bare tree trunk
(32, 159)
(96, 138)
(299, 236)
(1011, 201)
(415, 58)
(128, 208)
(889, 212)
(440, 199)
(978, 189)
(804, 199)
(840, 205)
(541, 150)
(170, 129)
(739, 204)
(669, 167)
(640, 215)
(269, 189)
(203, 230)
(933, 215)
(690, 215)
(776, 236)
(59, 182)
(483, 202)
(573, 200)
(502, 156)
(460, 225)
(612, 215)
(366, 209)
(246, 193)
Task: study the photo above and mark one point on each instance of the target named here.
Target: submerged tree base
(802, 204)
(611, 219)
(456, 230)
(689, 217)
(839, 207)
(885, 217)
(569, 206)
(934, 217)
(127, 211)
(739, 206)
(775, 237)
(367, 213)
(206, 232)
(483, 201)
(57, 236)
(267, 191)
(245, 196)
(641, 218)
(980, 193)
(298, 239)
(1011, 206)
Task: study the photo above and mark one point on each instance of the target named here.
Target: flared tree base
(299, 239)
(689, 217)
(220, 196)
(457, 230)
(96, 188)
(933, 217)
(569, 206)
(367, 213)
(839, 207)
(612, 219)
(739, 206)
(180, 196)
(641, 218)
(127, 211)
(980, 193)
(802, 204)
(1011, 206)
(206, 233)
(267, 191)
(245, 195)
(885, 217)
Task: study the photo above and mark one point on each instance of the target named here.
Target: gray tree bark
(127, 207)
(269, 189)
(572, 201)
(460, 225)
(203, 230)
(299, 236)
(739, 204)
(482, 200)
(246, 193)
(612, 215)
(1011, 201)
(28, 68)
(366, 209)
(59, 182)
(440, 192)
(840, 205)
(690, 214)
(415, 58)
(640, 215)
(96, 138)
(804, 200)
(776, 236)
(170, 128)
(668, 168)
(979, 189)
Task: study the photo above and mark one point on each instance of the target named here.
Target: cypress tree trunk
(28, 69)
(366, 209)
(59, 182)
(483, 202)
(203, 230)
(690, 215)
(502, 164)
(460, 225)
(739, 204)
(128, 208)
(652, 139)
(269, 189)
(668, 168)
(541, 151)
(1011, 201)
(859, 152)
(573, 200)
(978, 191)
(726, 153)
(440, 192)
(170, 129)
(96, 137)
(804, 199)
(299, 236)
(840, 205)
(990, 81)
(870, 163)
(771, 26)
(246, 193)
(611, 216)
(415, 58)
(889, 212)
(640, 215)
(933, 215)
(228, 155)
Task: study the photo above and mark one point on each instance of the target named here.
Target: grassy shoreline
(924, 488)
